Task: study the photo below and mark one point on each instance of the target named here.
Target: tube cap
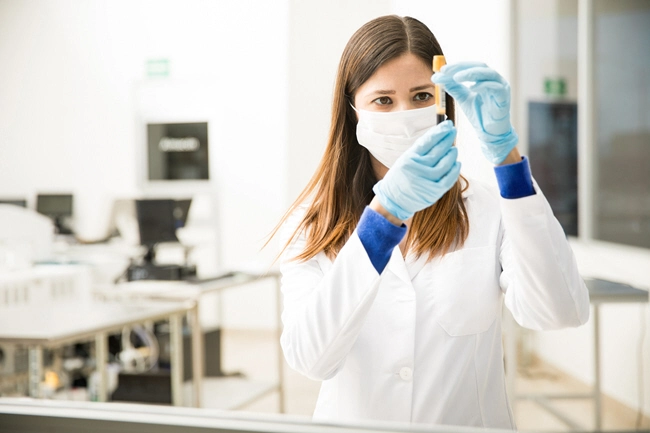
(438, 63)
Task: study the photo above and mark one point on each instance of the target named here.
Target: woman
(395, 267)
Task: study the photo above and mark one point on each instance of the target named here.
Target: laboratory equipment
(158, 220)
(58, 207)
(440, 95)
(177, 151)
(15, 202)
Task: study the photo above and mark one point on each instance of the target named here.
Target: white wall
(318, 32)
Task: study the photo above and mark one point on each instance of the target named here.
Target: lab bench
(48, 325)
(600, 292)
(227, 392)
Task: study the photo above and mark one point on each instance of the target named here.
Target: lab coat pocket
(466, 290)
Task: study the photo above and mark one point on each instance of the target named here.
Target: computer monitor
(58, 207)
(181, 209)
(553, 151)
(156, 222)
(15, 202)
(177, 151)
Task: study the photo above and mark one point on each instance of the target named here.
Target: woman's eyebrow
(392, 92)
(422, 87)
(384, 92)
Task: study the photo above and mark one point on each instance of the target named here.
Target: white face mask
(388, 134)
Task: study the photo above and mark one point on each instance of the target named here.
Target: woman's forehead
(401, 73)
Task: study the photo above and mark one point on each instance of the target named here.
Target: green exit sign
(555, 86)
(158, 68)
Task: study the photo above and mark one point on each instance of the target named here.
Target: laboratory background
(149, 148)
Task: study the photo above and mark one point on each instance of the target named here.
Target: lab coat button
(406, 374)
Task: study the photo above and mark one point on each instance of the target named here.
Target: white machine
(25, 237)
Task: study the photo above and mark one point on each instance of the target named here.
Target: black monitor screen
(15, 202)
(54, 205)
(553, 150)
(177, 151)
(181, 209)
(156, 221)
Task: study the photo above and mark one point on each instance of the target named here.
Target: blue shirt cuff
(379, 237)
(515, 180)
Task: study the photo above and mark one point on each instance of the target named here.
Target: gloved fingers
(457, 90)
(450, 178)
(454, 77)
(478, 74)
(495, 104)
(454, 68)
(437, 154)
(443, 131)
(491, 87)
(443, 166)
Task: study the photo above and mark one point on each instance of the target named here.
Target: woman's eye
(383, 100)
(423, 96)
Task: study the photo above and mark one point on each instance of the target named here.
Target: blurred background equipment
(177, 151)
(15, 202)
(59, 208)
(158, 220)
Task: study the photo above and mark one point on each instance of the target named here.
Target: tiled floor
(255, 354)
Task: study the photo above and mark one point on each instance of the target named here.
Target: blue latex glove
(486, 103)
(422, 174)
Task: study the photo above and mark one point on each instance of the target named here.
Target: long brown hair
(341, 187)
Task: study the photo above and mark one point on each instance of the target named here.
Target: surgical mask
(388, 134)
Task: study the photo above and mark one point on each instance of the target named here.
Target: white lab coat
(422, 341)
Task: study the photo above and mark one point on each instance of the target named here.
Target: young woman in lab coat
(395, 267)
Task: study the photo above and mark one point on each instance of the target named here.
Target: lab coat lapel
(415, 264)
(407, 270)
(397, 266)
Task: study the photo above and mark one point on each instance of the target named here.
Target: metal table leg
(597, 396)
(101, 356)
(35, 371)
(198, 368)
(176, 348)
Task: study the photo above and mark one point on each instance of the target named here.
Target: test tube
(440, 95)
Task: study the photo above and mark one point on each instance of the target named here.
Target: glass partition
(622, 121)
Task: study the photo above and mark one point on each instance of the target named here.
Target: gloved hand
(486, 103)
(422, 174)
